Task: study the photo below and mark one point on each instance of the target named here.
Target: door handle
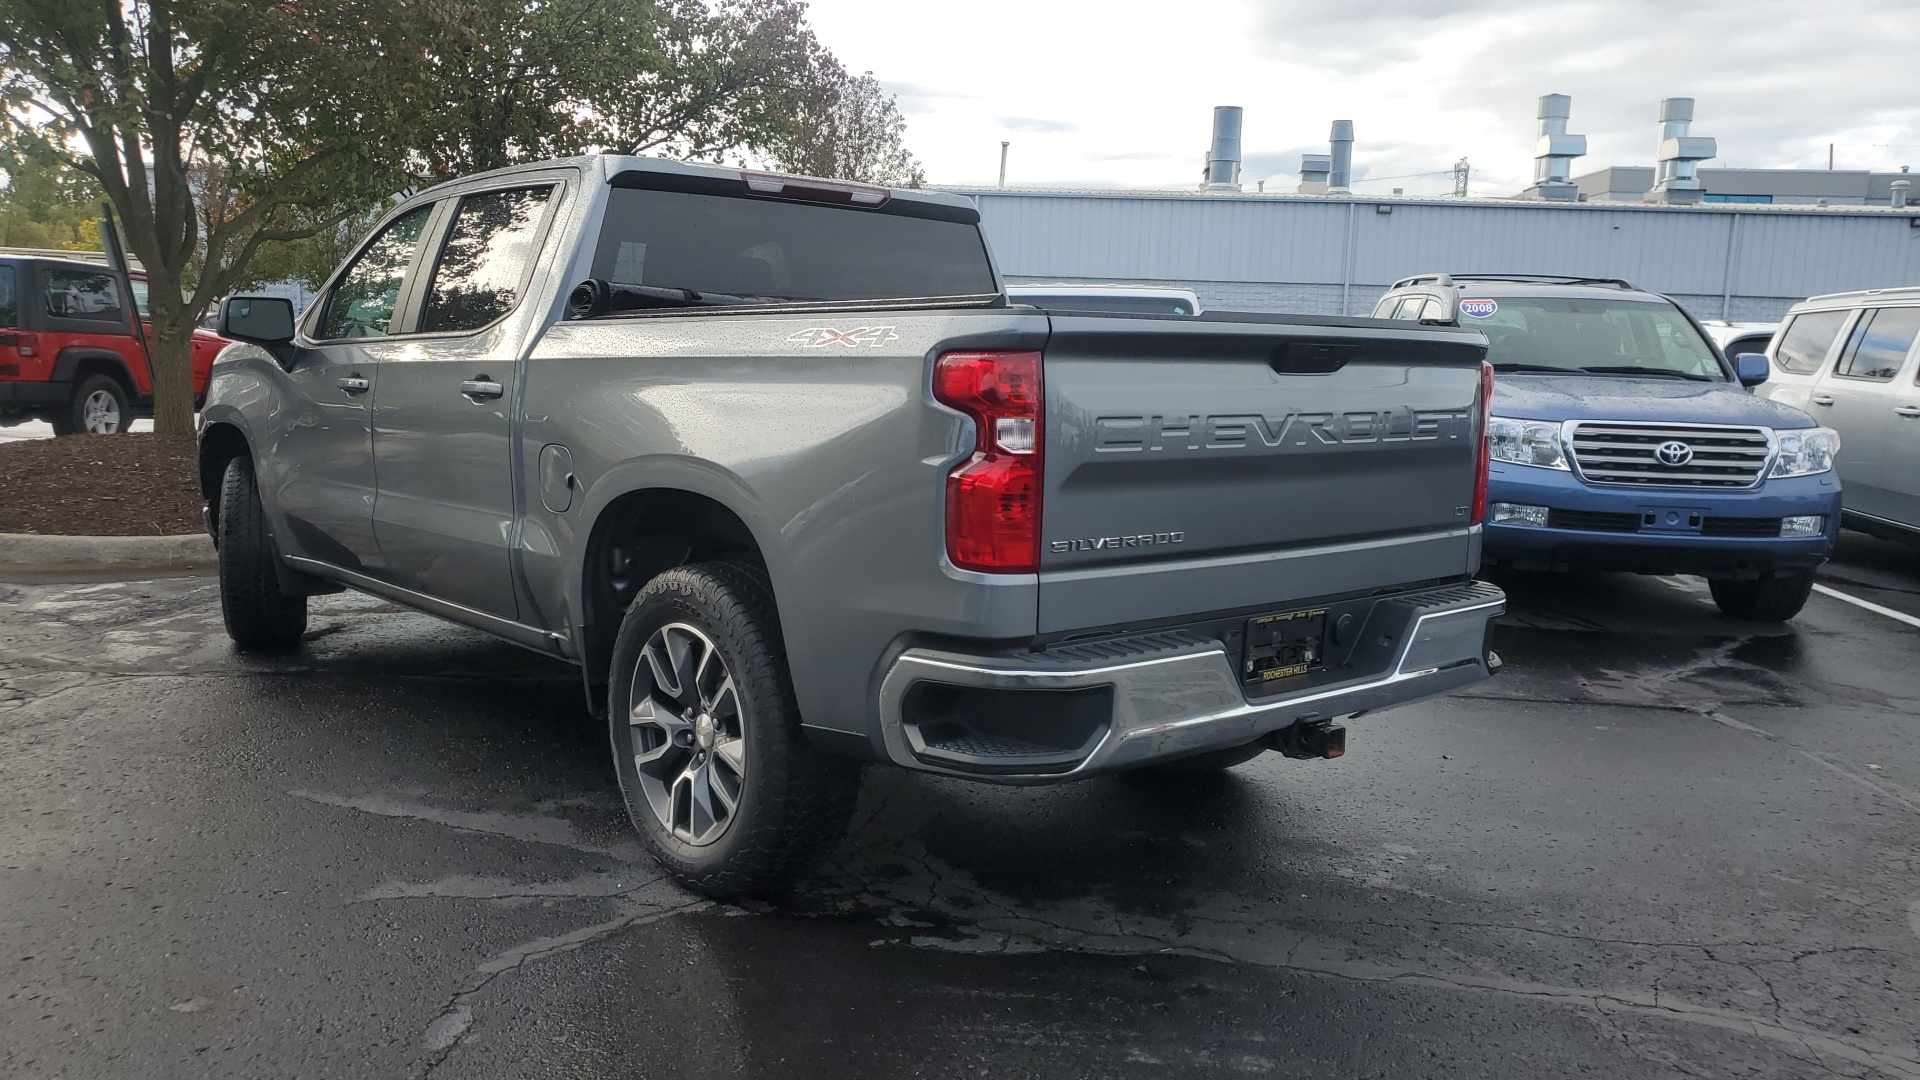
(354, 384)
(481, 388)
(1908, 411)
(1821, 399)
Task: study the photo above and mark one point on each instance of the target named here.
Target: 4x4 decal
(818, 337)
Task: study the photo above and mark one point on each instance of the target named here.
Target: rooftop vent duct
(1553, 155)
(1340, 173)
(1223, 160)
(1313, 173)
(1675, 167)
(1900, 190)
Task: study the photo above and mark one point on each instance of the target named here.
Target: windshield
(1582, 335)
(1143, 305)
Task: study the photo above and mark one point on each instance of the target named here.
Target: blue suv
(1622, 439)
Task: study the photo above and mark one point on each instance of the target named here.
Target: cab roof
(608, 167)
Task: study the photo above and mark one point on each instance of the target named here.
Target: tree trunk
(172, 343)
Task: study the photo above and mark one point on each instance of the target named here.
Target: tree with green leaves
(43, 204)
(240, 141)
(279, 113)
(515, 81)
(846, 126)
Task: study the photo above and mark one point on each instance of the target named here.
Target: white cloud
(1038, 127)
(1126, 87)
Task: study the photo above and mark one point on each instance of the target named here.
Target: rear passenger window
(1803, 348)
(9, 307)
(1410, 307)
(1878, 347)
(1433, 310)
(362, 304)
(83, 294)
(486, 259)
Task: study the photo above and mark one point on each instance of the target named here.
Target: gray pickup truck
(777, 465)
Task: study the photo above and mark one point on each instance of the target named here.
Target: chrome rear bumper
(1176, 693)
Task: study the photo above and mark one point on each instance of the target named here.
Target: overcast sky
(1120, 92)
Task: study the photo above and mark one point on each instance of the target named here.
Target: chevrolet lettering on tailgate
(1120, 434)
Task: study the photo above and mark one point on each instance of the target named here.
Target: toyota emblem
(1673, 454)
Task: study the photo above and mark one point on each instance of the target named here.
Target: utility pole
(1003, 163)
(1462, 172)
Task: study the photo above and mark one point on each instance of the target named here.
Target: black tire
(257, 613)
(1774, 597)
(100, 406)
(792, 801)
(1213, 761)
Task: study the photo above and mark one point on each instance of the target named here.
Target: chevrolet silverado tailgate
(1209, 465)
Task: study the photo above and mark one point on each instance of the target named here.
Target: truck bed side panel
(834, 455)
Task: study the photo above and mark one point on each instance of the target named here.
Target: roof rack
(98, 258)
(1551, 279)
(1423, 279)
(1902, 290)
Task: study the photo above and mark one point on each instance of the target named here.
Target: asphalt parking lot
(1661, 844)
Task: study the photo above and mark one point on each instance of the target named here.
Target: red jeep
(68, 354)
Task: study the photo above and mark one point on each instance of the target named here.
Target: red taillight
(993, 498)
(1484, 456)
(26, 344)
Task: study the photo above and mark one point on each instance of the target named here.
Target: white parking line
(1868, 604)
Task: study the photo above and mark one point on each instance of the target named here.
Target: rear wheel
(257, 613)
(100, 406)
(1773, 597)
(717, 777)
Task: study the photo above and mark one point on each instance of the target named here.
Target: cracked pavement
(1662, 844)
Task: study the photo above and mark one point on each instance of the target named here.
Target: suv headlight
(1526, 442)
(1805, 451)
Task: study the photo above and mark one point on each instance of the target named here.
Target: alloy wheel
(688, 738)
(100, 414)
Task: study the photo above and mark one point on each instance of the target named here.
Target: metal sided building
(1335, 254)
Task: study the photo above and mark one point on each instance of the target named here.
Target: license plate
(1285, 646)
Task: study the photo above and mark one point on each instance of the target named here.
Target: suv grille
(1629, 454)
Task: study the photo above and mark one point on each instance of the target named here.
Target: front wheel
(257, 613)
(1773, 597)
(716, 775)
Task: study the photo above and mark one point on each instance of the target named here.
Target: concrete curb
(32, 555)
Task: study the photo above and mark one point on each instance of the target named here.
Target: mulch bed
(100, 485)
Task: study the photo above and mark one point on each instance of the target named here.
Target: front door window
(363, 302)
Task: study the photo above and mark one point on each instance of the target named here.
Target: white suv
(1850, 360)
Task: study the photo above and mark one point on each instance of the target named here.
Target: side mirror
(1752, 368)
(263, 320)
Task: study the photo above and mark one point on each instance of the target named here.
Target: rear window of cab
(765, 250)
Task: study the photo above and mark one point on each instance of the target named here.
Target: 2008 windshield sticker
(819, 337)
(1478, 309)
